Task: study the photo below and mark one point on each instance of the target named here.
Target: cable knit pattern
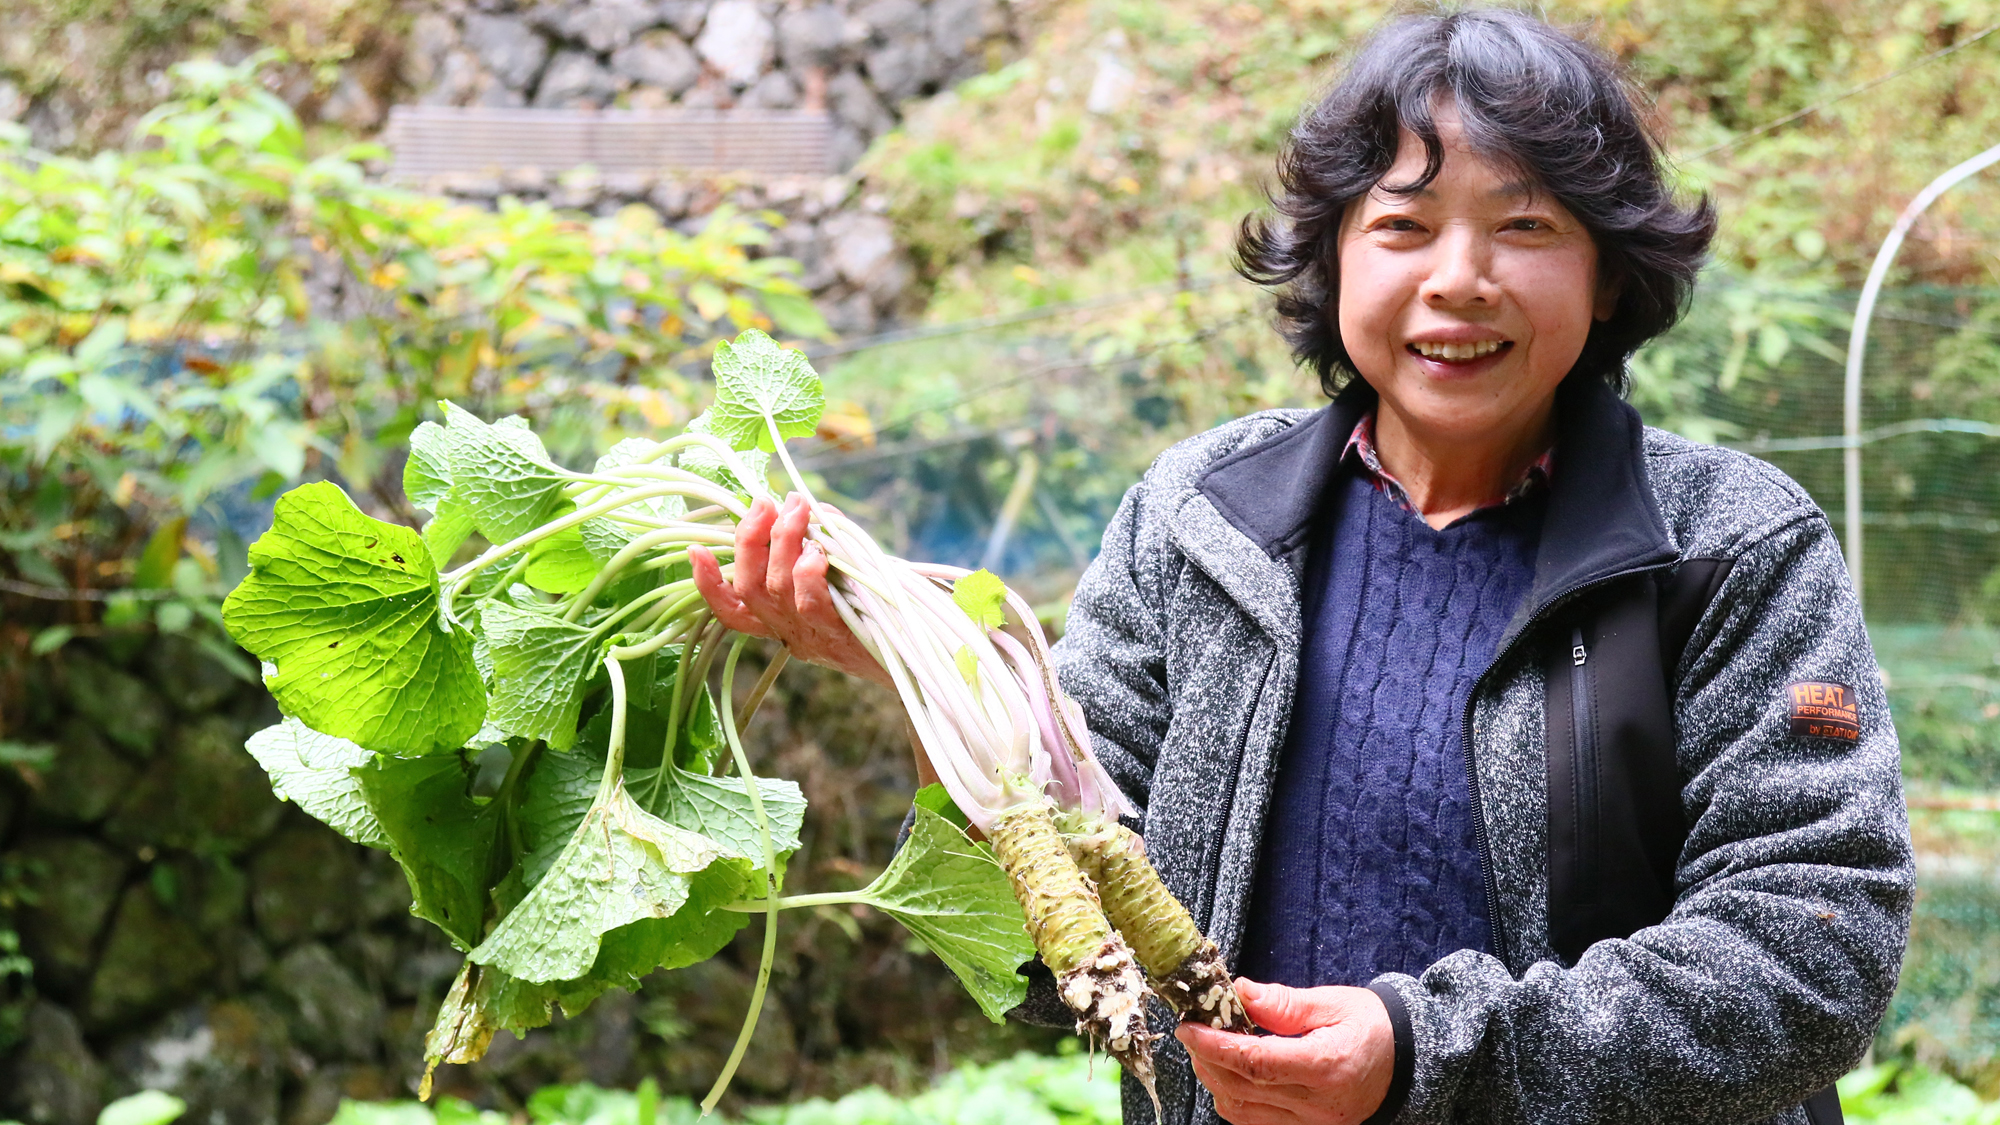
(1369, 864)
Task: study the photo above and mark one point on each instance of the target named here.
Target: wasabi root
(1184, 966)
(1096, 972)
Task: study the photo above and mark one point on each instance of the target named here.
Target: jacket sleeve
(1111, 658)
(1768, 978)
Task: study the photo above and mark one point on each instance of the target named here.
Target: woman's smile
(1456, 359)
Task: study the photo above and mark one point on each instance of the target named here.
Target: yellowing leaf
(983, 598)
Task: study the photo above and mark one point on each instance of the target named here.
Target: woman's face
(1465, 304)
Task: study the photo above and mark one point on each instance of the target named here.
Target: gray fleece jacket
(1792, 893)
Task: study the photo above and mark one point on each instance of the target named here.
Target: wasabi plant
(531, 733)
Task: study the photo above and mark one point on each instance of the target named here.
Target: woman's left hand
(1329, 1062)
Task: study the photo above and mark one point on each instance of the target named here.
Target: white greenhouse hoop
(1857, 342)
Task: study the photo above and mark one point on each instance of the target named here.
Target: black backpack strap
(1615, 827)
(1823, 1108)
(1684, 597)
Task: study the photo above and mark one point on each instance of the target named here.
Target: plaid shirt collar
(1361, 444)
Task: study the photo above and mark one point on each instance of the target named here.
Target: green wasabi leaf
(315, 772)
(448, 529)
(705, 462)
(953, 894)
(968, 664)
(696, 932)
(719, 808)
(983, 598)
(346, 607)
(427, 474)
(556, 794)
(937, 799)
(485, 999)
(700, 743)
(621, 865)
(560, 564)
(505, 476)
(540, 666)
(755, 380)
(444, 840)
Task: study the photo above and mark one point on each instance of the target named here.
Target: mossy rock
(115, 702)
(88, 777)
(74, 882)
(331, 1013)
(152, 960)
(204, 793)
(193, 682)
(229, 1060)
(53, 1078)
(304, 882)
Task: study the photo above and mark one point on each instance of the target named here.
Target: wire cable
(1864, 87)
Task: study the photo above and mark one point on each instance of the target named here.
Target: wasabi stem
(771, 906)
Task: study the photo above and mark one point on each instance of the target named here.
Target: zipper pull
(1577, 654)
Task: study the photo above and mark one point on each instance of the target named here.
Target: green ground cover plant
(1027, 1089)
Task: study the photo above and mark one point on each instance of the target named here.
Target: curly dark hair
(1527, 96)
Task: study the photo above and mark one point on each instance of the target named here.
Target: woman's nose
(1461, 272)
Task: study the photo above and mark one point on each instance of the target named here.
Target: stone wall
(859, 59)
(191, 933)
(79, 77)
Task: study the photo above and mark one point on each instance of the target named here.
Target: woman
(1536, 763)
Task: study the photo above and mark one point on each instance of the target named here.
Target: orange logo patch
(1822, 710)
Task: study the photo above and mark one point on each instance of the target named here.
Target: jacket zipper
(1480, 838)
(1583, 758)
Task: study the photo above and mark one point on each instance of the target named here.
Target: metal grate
(437, 140)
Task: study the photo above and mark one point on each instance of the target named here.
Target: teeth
(1458, 352)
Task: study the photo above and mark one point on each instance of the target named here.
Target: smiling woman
(1467, 301)
(1459, 711)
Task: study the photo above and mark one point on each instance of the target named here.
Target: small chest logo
(1822, 710)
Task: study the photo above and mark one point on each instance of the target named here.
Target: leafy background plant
(187, 327)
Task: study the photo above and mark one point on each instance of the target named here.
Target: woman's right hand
(778, 589)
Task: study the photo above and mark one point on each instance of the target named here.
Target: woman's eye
(1400, 225)
(1528, 224)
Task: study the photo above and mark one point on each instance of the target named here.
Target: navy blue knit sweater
(1369, 863)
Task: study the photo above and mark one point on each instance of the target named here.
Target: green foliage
(1025, 1090)
(148, 1107)
(953, 894)
(1900, 1093)
(607, 851)
(1945, 1014)
(219, 311)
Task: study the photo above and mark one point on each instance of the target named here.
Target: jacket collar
(1602, 519)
